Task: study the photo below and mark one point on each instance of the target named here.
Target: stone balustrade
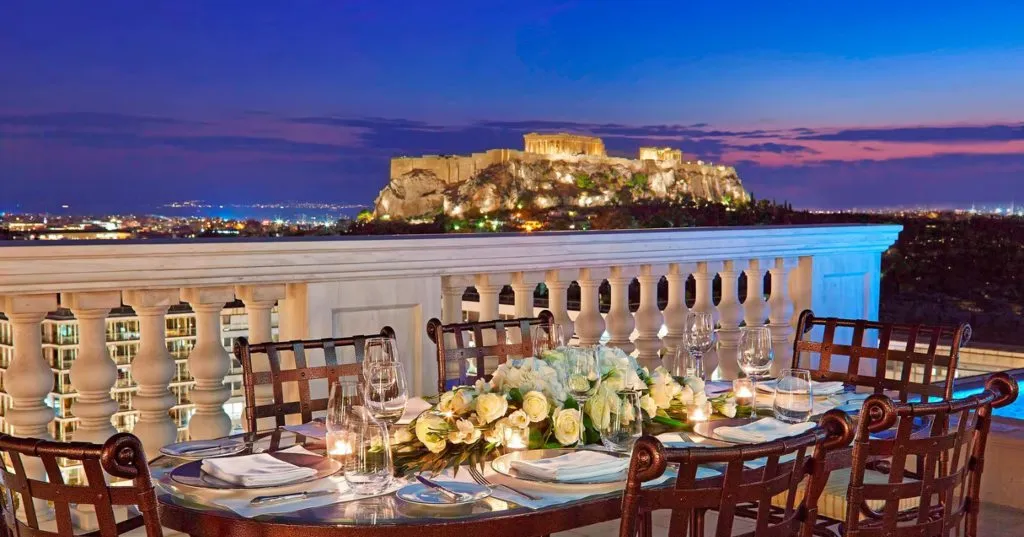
(334, 287)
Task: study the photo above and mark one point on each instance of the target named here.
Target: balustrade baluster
(153, 368)
(558, 299)
(209, 363)
(29, 378)
(524, 286)
(779, 316)
(704, 277)
(754, 304)
(675, 310)
(649, 319)
(259, 302)
(730, 313)
(619, 320)
(590, 323)
(93, 372)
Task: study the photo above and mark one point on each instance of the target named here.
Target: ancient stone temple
(661, 154)
(564, 144)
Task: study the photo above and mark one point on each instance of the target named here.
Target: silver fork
(481, 480)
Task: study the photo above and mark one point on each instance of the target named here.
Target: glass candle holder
(339, 445)
(698, 413)
(744, 390)
(515, 438)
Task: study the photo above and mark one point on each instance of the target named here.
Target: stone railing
(337, 287)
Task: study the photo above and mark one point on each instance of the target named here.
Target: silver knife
(263, 500)
(447, 493)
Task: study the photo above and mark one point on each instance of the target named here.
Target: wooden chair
(738, 483)
(948, 494)
(302, 374)
(894, 369)
(454, 352)
(120, 456)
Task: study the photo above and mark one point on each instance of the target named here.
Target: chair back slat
(949, 439)
(781, 467)
(923, 370)
(121, 457)
(301, 375)
(496, 340)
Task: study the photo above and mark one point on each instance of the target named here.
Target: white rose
(403, 435)
(567, 426)
(695, 384)
(445, 404)
(481, 386)
(462, 402)
(649, 406)
(700, 399)
(465, 433)
(519, 419)
(686, 395)
(494, 433)
(431, 431)
(490, 407)
(535, 404)
(662, 395)
(728, 410)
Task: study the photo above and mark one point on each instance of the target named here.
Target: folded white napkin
(413, 408)
(314, 429)
(259, 470)
(822, 388)
(240, 501)
(573, 466)
(762, 430)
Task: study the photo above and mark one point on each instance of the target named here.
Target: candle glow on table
(697, 413)
(338, 444)
(743, 390)
(515, 439)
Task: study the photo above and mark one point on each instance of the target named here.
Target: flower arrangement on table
(467, 423)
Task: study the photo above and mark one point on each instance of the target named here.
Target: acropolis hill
(553, 170)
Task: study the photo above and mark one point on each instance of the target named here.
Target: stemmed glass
(379, 350)
(582, 378)
(793, 397)
(547, 337)
(625, 424)
(699, 338)
(385, 393)
(755, 352)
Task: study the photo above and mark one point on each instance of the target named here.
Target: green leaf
(571, 403)
(516, 397)
(537, 438)
(665, 420)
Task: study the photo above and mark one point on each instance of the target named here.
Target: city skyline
(123, 105)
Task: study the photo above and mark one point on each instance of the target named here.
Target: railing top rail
(155, 264)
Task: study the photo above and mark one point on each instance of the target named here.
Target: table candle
(515, 439)
(743, 390)
(697, 413)
(338, 444)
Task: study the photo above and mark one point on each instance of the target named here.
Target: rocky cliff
(423, 187)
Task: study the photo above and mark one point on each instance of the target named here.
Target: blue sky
(821, 103)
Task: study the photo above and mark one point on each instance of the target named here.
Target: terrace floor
(996, 521)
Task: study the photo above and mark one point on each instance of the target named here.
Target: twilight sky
(129, 104)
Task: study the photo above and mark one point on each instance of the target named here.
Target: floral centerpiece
(466, 425)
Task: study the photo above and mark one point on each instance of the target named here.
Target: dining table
(197, 512)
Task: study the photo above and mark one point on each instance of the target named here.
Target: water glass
(385, 392)
(688, 365)
(546, 337)
(755, 351)
(379, 350)
(793, 397)
(625, 424)
(369, 469)
(699, 336)
(341, 405)
(583, 375)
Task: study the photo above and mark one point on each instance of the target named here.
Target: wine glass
(380, 349)
(699, 337)
(688, 365)
(755, 351)
(793, 397)
(385, 393)
(546, 337)
(625, 424)
(582, 378)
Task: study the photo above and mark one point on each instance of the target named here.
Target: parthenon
(564, 144)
